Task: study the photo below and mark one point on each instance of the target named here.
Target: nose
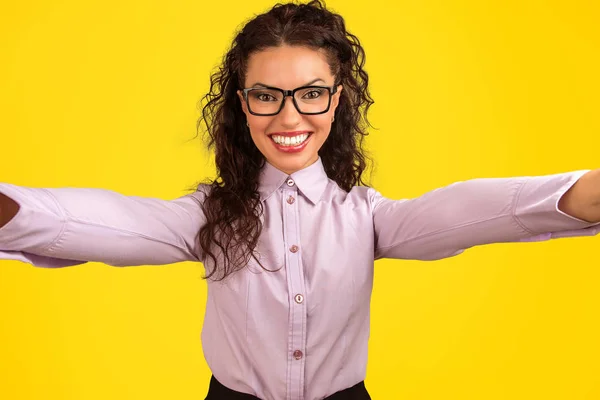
(289, 115)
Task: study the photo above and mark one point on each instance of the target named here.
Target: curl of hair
(232, 206)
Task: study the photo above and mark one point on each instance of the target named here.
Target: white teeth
(289, 141)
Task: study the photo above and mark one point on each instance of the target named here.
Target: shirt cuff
(537, 209)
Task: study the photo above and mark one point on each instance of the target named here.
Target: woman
(288, 232)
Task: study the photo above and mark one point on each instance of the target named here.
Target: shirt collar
(311, 181)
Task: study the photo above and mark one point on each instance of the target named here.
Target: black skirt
(216, 391)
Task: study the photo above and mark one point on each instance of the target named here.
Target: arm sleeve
(447, 221)
(60, 227)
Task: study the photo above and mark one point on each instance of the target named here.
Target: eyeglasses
(308, 100)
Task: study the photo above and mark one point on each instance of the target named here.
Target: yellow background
(104, 94)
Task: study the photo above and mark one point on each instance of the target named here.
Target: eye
(313, 94)
(264, 96)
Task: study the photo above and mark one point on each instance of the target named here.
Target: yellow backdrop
(104, 94)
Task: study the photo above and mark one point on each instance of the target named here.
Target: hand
(582, 200)
(8, 209)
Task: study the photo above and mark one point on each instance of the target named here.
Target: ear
(243, 102)
(336, 98)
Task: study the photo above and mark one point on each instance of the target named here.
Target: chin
(291, 163)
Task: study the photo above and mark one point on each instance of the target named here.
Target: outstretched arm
(446, 221)
(58, 227)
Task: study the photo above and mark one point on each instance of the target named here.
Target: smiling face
(290, 141)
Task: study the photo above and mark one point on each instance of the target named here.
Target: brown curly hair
(232, 206)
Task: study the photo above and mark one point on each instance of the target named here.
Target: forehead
(288, 67)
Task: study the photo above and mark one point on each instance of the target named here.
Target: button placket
(295, 282)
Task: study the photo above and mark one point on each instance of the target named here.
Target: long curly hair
(232, 206)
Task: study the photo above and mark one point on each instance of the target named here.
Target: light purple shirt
(300, 332)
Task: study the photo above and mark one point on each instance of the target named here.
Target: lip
(288, 134)
(292, 149)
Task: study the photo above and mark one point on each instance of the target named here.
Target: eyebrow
(306, 84)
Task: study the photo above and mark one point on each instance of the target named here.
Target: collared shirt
(301, 331)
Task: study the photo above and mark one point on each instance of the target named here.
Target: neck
(290, 171)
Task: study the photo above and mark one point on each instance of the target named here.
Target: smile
(290, 141)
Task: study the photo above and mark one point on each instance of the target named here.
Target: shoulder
(194, 197)
(358, 195)
(202, 190)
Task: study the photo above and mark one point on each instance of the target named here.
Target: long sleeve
(60, 227)
(446, 221)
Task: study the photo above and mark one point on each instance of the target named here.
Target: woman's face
(287, 68)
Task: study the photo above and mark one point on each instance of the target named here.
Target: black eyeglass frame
(332, 90)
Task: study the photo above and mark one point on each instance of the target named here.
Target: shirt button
(290, 182)
(294, 249)
(299, 298)
(297, 354)
(290, 200)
